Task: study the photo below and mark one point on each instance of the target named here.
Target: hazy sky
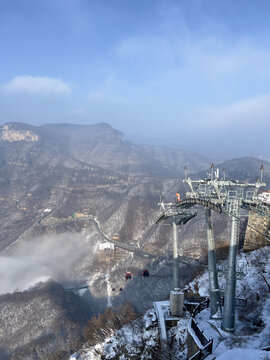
(196, 70)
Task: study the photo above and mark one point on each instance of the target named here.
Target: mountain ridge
(55, 179)
(95, 144)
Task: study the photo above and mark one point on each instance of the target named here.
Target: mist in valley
(39, 259)
(101, 109)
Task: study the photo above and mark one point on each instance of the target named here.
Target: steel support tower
(215, 307)
(179, 217)
(230, 197)
(228, 321)
(176, 274)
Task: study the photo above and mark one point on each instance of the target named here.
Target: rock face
(8, 134)
(253, 239)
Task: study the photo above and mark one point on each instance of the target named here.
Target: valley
(66, 191)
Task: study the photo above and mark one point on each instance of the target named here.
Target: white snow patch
(252, 286)
(81, 292)
(265, 197)
(35, 282)
(130, 341)
(106, 245)
(245, 354)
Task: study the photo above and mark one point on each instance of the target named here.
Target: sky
(193, 74)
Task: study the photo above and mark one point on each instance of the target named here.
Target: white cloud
(247, 112)
(189, 53)
(209, 81)
(78, 111)
(37, 85)
(110, 91)
(97, 95)
(107, 98)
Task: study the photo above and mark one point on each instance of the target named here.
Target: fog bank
(38, 259)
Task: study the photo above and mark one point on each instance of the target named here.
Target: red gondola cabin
(145, 273)
(128, 276)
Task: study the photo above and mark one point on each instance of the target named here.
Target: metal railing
(201, 306)
(207, 345)
(238, 302)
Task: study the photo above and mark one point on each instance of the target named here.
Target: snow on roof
(106, 245)
(265, 197)
(161, 307)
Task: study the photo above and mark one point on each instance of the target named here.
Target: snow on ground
(177, 337)
(247, 354)
(252, 327)
(224, 341)
(253, 267)
(37, 281)
(81, 292)
(141, 337)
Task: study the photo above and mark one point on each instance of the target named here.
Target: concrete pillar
(228, 322)
(176, 302)
(176, 295)
(215, 308)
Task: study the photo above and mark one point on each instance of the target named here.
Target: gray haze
(54, 257)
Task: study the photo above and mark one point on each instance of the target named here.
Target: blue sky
(193, 71)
